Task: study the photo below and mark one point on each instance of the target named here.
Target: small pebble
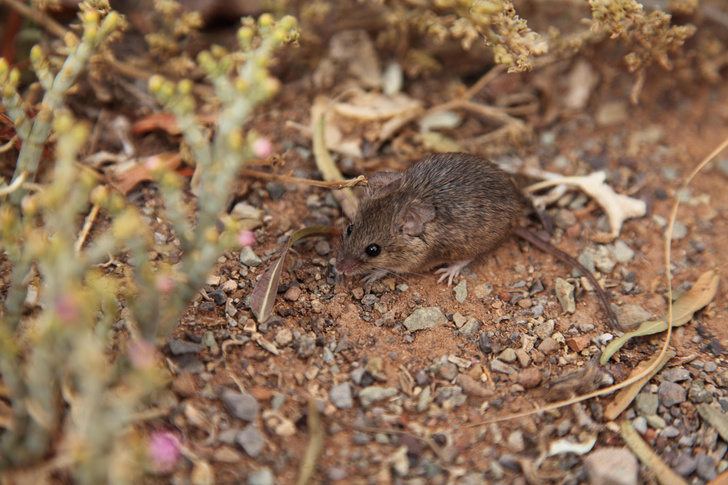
(461, 291)
(372, 394)
(424, 318)
(622, 252)
(251, 440)
(679, 230)
(341, 396)
(179, 347)
(565, 294)
(671, 394)
(612, 466)
(240, 405)
(262, 477)
(249, 258)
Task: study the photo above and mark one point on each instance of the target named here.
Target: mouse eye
(373, 250)
(349, 229)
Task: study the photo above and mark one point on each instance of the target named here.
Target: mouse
(444, 211)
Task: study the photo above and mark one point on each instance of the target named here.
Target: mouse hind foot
(452, 271)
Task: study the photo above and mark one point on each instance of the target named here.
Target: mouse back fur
(447, 207)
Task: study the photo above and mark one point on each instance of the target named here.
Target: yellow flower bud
(36, 54)
(241, 85)
(63, 122)
(99, 195)
(272, 86)
(235, 139)
(288, 22)
(245, 34)
(265, 20)
(3, 67)
(126, 225)
(185, 86)
(211, 235)
(90, 17)
(155, 83)
(29, 204)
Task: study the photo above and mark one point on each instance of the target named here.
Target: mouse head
(389, 231)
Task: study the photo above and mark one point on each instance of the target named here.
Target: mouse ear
(383, 183)
(414, 216)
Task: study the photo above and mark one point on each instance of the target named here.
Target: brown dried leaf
(702, 293)
(264, 294)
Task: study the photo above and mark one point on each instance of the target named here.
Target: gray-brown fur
(446, 208)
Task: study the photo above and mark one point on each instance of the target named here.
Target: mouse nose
(345, 265)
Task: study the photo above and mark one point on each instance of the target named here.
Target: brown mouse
(448, 208)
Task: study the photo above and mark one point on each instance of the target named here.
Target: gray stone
(448, 371)
(565, 294)
(710, 367)
(544, 330)
(684, 464)
(470, 329)
(179, 347)
(372, 394)
(242, 406)
(612, 466)
(305, 345)
(461, 291)
(336, 474)
(675, 374)
(646, 404)
(622, 252)
(516, 442)
(500, 366)
(249, 258)
(679, 230)
(218, 296)
(640, 424)
(631, 315)
(565, 219)
(698, 393)
(357, 375)
(604, 260)
(341, 396)
(586, 258)
(508, 356)
(262, 477)
(251, 440)
(706, 466)
(548, 346)
(328, 355)
(671, 394)
(670, 432)
(483, 291)
(424, 318)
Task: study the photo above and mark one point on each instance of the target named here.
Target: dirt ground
(648, 153)
(326, 330)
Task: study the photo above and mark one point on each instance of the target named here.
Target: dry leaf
(617, 206)
(315, 446)
(565, 445)
(266, 289)
(126, 181)
(715, 418)
(330, 172)
(702, 293)
(662, 472)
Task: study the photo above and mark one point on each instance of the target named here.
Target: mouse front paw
(452, 271)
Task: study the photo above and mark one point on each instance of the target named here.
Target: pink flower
(164, 450)
(67, 308)
(142, 354)
(262, 147)
(246, 238)
(165, 284)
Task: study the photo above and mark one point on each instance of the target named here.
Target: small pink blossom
(67, 308)
(142, 354)
(153, 163)
(164, 450)
(246, 238)
(165, 284)
(262, 147)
